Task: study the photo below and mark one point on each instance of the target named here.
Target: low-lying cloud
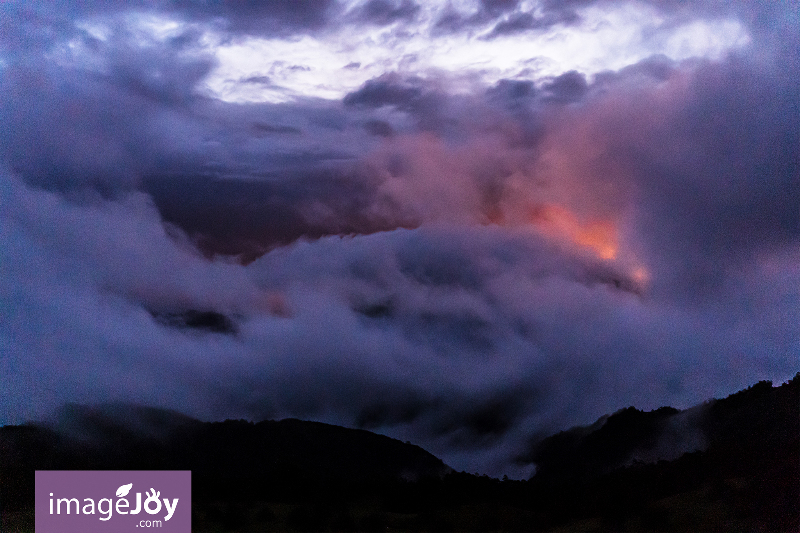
(460, 268)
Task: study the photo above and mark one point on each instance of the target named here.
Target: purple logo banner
(119, 501)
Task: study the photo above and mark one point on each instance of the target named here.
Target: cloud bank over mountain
(459, 224)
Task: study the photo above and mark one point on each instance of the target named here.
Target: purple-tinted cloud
(522, 22)
(383, 12)
(459, 268)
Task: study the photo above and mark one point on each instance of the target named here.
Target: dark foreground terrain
(726, 465)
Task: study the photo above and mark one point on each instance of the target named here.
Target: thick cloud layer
(462, 264)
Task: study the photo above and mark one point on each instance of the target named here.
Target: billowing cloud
(448, 251)
(386, 12)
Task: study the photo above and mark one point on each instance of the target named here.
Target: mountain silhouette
(725, 465)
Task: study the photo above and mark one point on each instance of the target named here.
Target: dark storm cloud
(657, 67)
(512, 90)
(522, 22)
(518, 99)
(503, 18)
(140, 122)
(499, 6)
(566, 88)
(258, 18)
(69, 126)
(157, 74)
(692, 7)
(249, 217)
(261, 80)
(276, 17)
(383, 12)
(262, 128)
(239, 179)
(428, 107)
(452, 21)
(63, 137)
(379, 127)
(718, 174)
(388, 90)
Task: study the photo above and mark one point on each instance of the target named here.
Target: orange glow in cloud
(599, 235)
(641, 276)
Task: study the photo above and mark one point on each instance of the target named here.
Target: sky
(466, 224)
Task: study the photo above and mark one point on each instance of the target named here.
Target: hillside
(725, 465)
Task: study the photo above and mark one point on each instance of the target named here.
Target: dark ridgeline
(726, 465)
(637, 471)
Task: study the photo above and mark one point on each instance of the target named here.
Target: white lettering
(77, 505)
(100, 508)
(138, 503)
(152, 498)
(170, 510)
